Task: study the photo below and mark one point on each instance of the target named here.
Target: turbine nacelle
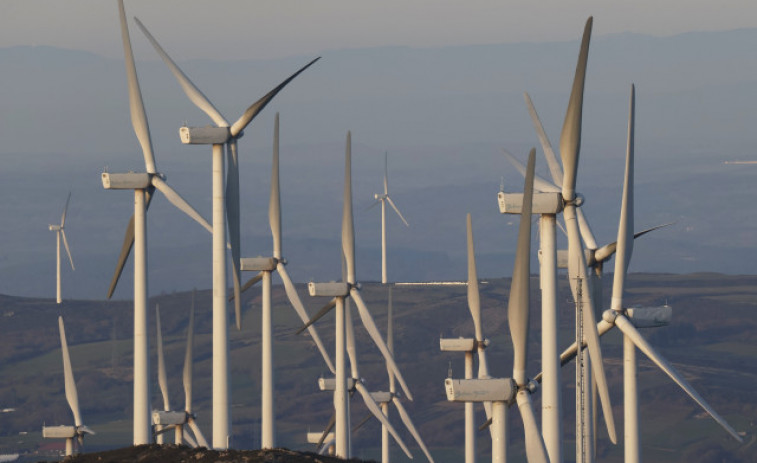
(169, 418)
(480, 390)
(258, 264)
(642, 317)
(543, 203)
(127, 181)
(205, 135)
(461, 344)
(329, 384)
(331, 289)
(55, 228)
(59, 432)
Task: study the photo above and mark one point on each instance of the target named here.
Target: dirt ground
(172, 453)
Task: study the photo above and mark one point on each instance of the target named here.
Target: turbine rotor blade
(394, 206)
(365, 419)
(570, 138)
(193, 93)
(274, 205)
(197, 432)
(517, 307)
(411, 427)
(554, 166)
(629, 330)
(474, 298)
(127, 244)
(188, 438)
(250, 283)
(536, 452)
(324, 310)
(373, 408)
(348, 226)
(585, 229)
(175, 198)
(65, 209)
(605, 252)
(539, 183)
(386, 173)
(162, 376)
(625, 226)
(349, 336)
(232, 218)
(327, 430)
(373, 332)
(68, 251)
(136, 106)
(259, 105)
(70, 385)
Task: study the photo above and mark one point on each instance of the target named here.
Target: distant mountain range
(443, 114)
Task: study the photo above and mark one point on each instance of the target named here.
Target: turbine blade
(136, 106)
(375, 203)
(324, 310)
(373, 332)
(539, 183)
(386, 174)
(517, 307)
(327, 430)
(411, 427)
(180, 203)
(629, 330)
(65, 209)
(232, 218)
(188, 438)
(373, 408)
(570, 138)
(349, 336)
(189, 359)
(197, 432)
(555, 169)
(625, 226)
(391, 203)
(193, 93)
(536, 452)
(70, 385)
(68, 251)
(348, 226)
(127, 244)
(250, 283)
(474, 298)
(585, 229)
(604, 253)
(259, 105)
(274, 205)
(162, 376)
(362, 422)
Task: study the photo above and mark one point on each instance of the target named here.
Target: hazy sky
(276, 28)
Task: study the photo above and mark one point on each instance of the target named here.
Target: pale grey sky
(277, 28)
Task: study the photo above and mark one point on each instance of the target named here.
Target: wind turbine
(503, 392)
(144, 185)
(168, 419)
(339, 291)
(384, 399)
(60, 232)
(470, 346)
(78, 430)
(383, 199)
(225, 207)
(265, 266)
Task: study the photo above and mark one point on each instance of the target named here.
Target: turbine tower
(225, 207)
(78, 430)
(265, 266)
(61, 232)
(144, 185)
(383, 199)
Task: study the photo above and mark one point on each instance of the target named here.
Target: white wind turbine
(383, 199)
(167, 419)
(339, 291)
(504, 391)
(225, 207)
(470, 346)
(265, 266)
(384, 399)
(78, 430)
(144, 185)
(61, 232)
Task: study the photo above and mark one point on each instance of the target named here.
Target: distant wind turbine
(383, 199)
(60, 232)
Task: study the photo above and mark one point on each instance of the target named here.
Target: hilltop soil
(154, 453)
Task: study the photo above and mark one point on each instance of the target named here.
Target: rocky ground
(178, 454)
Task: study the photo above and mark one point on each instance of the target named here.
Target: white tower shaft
(340, 391)
(551, 410)
(631, 429)
(57, 270)
(499, 432)
(470, 416)
(267, 416)
(383, 241)
(141, 386)
(221, 400)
